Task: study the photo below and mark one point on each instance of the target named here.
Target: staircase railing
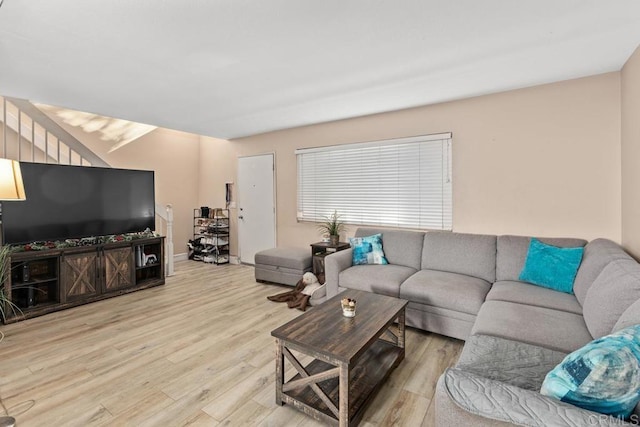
(29, 135)
(166, 214)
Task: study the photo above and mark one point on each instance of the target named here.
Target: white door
(256, 206)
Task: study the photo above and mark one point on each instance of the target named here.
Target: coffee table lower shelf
(365, 378)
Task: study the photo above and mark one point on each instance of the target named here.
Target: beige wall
(631, 154)
(173, 156)
(217, 167)
(538, 161)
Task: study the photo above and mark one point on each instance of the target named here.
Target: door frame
(275, 200)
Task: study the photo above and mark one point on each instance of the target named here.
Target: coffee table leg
(279, 371)
(401, 320)
(344, 395)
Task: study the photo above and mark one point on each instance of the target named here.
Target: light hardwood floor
(196, 351)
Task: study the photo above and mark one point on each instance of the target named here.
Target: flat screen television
(65, 202)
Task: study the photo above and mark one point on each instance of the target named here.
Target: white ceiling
(231, 68)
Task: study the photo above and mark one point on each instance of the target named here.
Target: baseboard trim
(181, 257)
(185, 256)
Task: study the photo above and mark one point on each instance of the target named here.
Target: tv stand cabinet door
(118, 269)
(78, 276)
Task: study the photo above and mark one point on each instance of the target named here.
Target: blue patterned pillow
(550, 266)
(368, 250)
(603, 376)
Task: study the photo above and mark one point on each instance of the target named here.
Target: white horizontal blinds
(399, 183)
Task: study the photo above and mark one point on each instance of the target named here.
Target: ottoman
(282, 265)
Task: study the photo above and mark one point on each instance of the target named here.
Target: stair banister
(166, 213)
(56, 130)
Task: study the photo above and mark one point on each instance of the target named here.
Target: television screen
(65, 202)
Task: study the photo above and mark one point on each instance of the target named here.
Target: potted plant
(6, 305)
(332, 226)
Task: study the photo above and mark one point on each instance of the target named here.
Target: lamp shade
(11, 186)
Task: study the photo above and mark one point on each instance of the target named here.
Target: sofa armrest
(333, 265)
(498, 401)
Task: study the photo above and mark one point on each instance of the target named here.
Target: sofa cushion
(613, 291)
(380, 279)
(630, 317)
(603, 376)
(512, 252)
(550, 266)
(447, 290)
(469, 254)
(553, 329)
(451, 323)
(467, 399)
(597, 254)
(512, 362)
(367, 250)
(400, 247)
(526, 293)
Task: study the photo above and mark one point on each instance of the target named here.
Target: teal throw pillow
(603, 376)
(550, 266)
(368, 250)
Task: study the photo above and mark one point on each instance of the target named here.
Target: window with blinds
(404, 183)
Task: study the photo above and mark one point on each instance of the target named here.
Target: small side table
(320, 250)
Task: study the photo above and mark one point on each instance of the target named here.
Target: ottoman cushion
(294, 258)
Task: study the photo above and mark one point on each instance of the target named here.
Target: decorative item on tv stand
(210, 235)
(143, 259)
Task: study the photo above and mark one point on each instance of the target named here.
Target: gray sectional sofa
(466, 286)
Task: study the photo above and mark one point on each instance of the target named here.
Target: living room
(558, 158)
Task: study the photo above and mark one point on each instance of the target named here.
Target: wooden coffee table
(352, 356)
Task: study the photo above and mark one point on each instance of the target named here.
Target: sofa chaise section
(496, 383)
(537, 326)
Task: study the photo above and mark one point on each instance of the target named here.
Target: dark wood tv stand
(41, 282)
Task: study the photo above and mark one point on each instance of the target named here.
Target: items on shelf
(210, 241)
(84, 241)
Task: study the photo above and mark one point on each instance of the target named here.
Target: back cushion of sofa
(469, 254)
(615, 289)
(597, 254)
(512, 253)
(630, 317)
(400, 247)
